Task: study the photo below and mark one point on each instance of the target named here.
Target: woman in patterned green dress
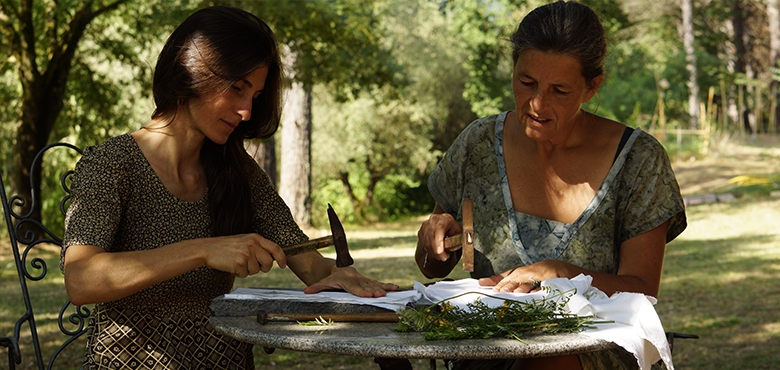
(557, 191)
(163, 219)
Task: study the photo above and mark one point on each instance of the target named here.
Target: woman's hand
(431, 258)
(351, 281)
(244, 254)
(430, 237)
(522, 279)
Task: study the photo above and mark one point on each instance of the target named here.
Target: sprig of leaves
(319, 321)
(479, 321)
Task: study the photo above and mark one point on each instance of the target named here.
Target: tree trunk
(42, 101)
(357, 206)
(773, 13)
(740, 66)
(295, 178)
(264, 153)
(32, 136)
(690, 58)
(369, 201)
(43, 93)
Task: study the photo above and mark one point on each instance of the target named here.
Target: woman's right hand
(243, 255)
(432, 259)
(432, 232)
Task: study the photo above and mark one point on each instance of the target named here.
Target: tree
(295, 182)
(395, 134)
(333, 42)
(483, 28)
(43, 39)
(264, 153)
(773, 13)
(741, 66)
(385, 136)
(690, 57)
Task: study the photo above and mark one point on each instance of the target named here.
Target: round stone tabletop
(381, 340)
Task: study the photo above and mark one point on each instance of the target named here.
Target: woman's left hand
(351, 281)
(525, 279)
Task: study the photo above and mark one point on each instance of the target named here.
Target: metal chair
(26, 233)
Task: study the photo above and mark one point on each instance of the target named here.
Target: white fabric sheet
(392, 301)
(637, 327)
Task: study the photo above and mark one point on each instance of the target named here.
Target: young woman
(557, 191)
(163, 219)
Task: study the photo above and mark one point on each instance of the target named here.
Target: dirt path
(758, 158)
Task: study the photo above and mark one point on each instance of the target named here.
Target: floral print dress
(639, 193)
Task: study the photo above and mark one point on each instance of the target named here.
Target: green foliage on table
(510, 320)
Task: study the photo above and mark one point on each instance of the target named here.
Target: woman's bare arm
(93, 275)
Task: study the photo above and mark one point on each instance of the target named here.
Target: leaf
(319, 321)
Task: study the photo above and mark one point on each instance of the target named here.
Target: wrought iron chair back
(26, 233)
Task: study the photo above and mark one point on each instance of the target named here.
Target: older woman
(557, 191)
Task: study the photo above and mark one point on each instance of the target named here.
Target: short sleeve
(444, 183)
(98, 186)
(467, 168)
(651, 191)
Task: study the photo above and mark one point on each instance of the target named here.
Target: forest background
(379, 88)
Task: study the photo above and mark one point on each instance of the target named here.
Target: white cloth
(392, 301)
(636, 326)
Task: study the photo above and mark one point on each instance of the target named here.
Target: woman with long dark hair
(163, 219)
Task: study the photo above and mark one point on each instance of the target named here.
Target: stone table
(381, 340)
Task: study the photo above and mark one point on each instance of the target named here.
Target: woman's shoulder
(646, 156)
(111, 155)
(484, 124)
(480, 131)
(117, 145)
(647, 144)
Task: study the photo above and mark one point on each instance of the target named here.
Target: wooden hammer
(464, 241)
(337, 238)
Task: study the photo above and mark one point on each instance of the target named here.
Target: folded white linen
(392, 301)
(637, 327)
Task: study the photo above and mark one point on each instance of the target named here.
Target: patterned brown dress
(119, 204)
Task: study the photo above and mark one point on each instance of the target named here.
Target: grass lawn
(720, 277)
(720, 281)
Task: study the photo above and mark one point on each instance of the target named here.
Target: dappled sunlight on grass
(757, 217)
(766, 333)
(720, 281)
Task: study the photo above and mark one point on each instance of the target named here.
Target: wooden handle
(263, 317)
(310, 245)
(453, 243)
(468, 235)
(464, 241)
